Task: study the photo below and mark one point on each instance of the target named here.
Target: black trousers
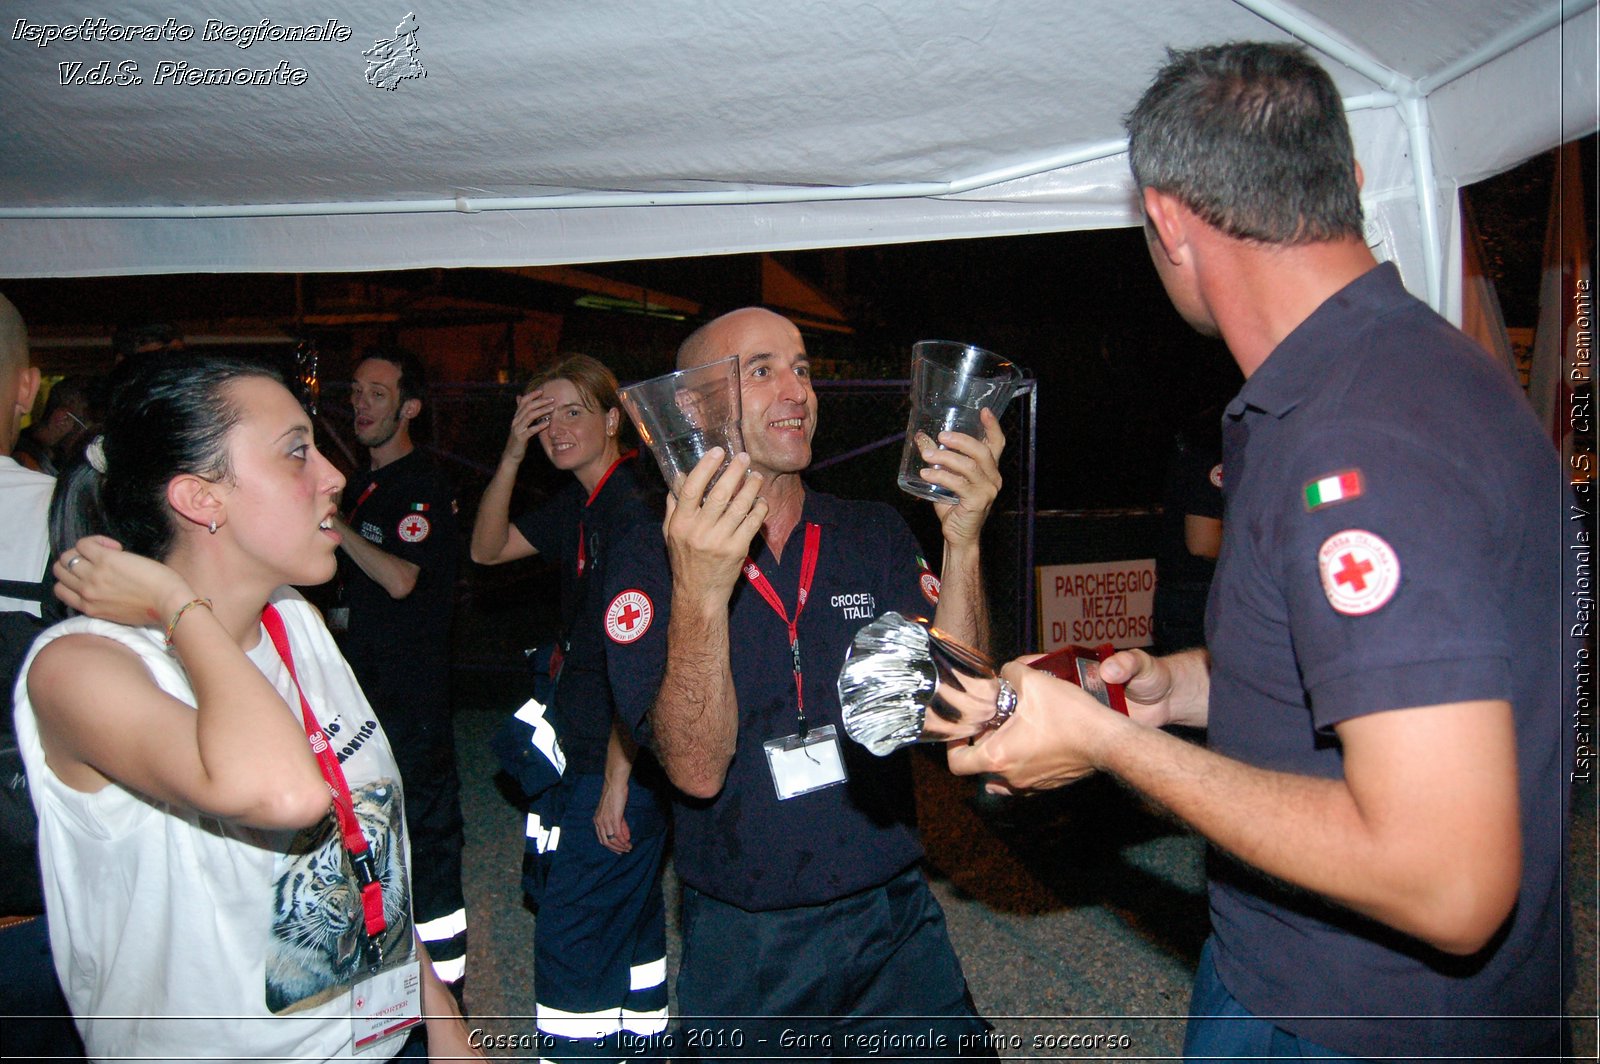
(412, 700)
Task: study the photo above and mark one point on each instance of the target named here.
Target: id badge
(801, 765)
(388, 1002)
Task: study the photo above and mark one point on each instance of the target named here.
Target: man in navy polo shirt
(397, 566)
(804, 909)
(1386, 778)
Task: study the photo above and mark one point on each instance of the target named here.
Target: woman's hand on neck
(236, 601)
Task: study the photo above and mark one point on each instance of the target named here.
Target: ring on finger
(74, 560)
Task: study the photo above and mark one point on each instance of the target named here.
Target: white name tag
(387, 1003)
(802, 765)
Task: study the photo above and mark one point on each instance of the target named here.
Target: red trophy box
(1081, 665)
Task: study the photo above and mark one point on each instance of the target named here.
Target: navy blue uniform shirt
(746, 847)
(582, 712)
(1392, 539)
(407, 509)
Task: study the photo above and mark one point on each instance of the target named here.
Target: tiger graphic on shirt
(314, 952)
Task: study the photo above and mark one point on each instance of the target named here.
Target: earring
(212, 528)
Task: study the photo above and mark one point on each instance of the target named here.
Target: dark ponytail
(171, 415)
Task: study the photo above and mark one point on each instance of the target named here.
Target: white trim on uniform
(544, 840)
(452, 971)
(647, 975)
(445, 927)
(653, 1021)
(576, 1025)
(544, 735)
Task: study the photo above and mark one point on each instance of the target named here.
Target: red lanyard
(365, 495)
(343, 807)
(808, 570)
(583, 550)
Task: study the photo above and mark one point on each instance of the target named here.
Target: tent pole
(1413, 110)
(567, 200)
(1493, 49)
(1419, 128)
(1413, 104)
(1319, 36)
(1030, 511)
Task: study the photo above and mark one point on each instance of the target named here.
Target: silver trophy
(899, 668)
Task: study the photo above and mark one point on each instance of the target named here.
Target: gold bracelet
(172, 625)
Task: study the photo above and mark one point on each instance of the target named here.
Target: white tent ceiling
(564, 131)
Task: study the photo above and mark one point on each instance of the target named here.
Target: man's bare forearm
(395, 575)
(696, 713)
(1403, 839)
(963, 609)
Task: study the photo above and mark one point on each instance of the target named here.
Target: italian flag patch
(1340, 487)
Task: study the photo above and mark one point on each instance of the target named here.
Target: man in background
(397, 565)
(1191, 532)
(38, 1024)
(25, 547)
(50, 443)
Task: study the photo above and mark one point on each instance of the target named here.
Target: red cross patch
(1215, 476)
(414, 528)
(628, 617)
(930, 587)
(1360, 572)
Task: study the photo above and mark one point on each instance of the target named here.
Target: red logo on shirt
(1360, 572)
(628, 617)
(414, 528)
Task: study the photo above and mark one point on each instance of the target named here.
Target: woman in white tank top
(182, 739)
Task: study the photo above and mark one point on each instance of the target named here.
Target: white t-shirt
(180, 936)
(24, 527)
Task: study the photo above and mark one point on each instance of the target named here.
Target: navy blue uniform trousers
(871, 974)
(600, 970)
